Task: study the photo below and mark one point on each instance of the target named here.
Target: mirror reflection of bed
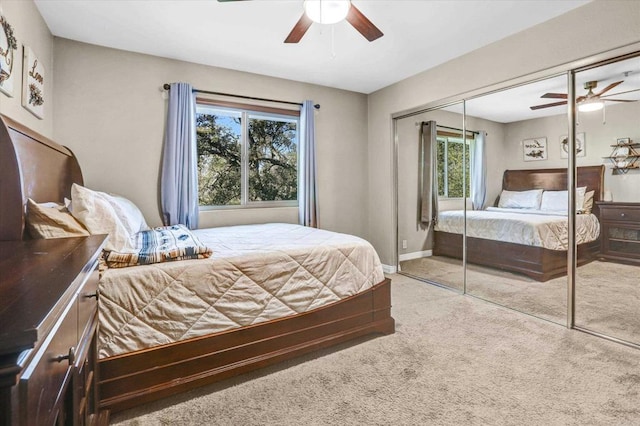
(521, 275)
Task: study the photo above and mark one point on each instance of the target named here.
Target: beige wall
(591, 29)
(622, 121)
(110, 111)
(30, 30)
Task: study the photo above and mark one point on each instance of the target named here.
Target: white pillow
(128, 213)
(521, 199)
(95, 212)
(559, 200)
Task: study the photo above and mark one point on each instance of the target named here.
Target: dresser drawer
(620, 214)
(48, 374)
(88, 301)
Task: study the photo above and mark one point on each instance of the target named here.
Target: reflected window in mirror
(453, 177)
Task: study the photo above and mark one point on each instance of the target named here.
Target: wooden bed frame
(536, 262)
(32, 166)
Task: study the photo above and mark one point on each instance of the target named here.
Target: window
(246, 157)
(453, 153)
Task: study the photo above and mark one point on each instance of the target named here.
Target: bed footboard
(132, 379)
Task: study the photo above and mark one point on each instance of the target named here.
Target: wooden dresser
(48, 323)
(620, 232)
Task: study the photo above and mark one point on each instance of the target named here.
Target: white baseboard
(388, 269)
(416, 255)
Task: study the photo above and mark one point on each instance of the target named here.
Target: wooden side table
(620, 231)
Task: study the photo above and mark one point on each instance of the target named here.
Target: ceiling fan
(330, 12)
(589, 102)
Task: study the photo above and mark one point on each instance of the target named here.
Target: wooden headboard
(31, 166)
(556, 180)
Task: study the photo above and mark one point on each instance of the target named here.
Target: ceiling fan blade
(620, 100)
(609, 87)
(548, 105)
(362, 24)
(620, 93)
(555, 95)
(299, 29)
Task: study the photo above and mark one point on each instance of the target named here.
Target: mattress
(537, 228)
(256, 273)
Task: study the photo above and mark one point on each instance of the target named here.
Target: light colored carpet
(607, 293)
(453, 360)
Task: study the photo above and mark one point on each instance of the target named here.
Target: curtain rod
(453, 128)
(316, 106)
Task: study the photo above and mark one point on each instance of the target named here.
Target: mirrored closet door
(433, 168)
(487, 188)
(607, 289)
(517, 228)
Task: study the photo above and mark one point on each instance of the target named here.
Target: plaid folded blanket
(163, 244)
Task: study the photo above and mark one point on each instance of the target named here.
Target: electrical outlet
(404, 244)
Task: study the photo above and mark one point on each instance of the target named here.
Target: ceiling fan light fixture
(327, 11)
(591, 105)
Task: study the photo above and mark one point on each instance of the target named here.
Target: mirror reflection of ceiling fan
(589, 102)
(330, 12)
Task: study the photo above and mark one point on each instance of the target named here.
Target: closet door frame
(569, 69)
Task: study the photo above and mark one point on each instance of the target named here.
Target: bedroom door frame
(568, 69)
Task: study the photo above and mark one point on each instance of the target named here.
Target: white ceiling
(248, 35)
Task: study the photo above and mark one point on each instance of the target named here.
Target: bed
(32, 166)
(538, 260)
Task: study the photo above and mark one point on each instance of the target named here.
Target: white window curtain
(307, 180)
(179, 174)
(479, 171)
(429, 189)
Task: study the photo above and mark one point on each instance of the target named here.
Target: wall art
(8, 49)
(534, 149)
(581, 146)
(33, 79)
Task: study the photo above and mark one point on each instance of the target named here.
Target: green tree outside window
(270, 161)
(453, 167)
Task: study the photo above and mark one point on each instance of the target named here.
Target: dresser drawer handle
(621, 214)
(96, 295)
(71, 356)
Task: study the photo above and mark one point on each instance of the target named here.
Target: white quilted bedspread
(256, 273)
(529, 227)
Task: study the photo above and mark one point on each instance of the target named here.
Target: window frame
(246, 111)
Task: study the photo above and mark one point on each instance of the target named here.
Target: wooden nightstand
(48, 323)
(620, 231)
